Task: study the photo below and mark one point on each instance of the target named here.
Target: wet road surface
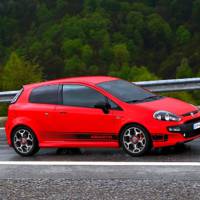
(101, 182)
(189, 152)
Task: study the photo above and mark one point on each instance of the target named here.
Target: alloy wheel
(23, 141)
(135, 140)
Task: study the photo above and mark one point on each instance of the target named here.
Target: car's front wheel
(135, 140)
(24, 141)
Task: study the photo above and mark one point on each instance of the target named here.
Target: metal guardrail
(6, 97)
(170, 85)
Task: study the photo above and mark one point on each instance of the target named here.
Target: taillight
(16, 97)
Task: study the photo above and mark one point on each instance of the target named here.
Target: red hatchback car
(97, 112)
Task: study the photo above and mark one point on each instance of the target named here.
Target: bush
(3, 109)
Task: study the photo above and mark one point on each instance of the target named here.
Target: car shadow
(183, 152)
(174, 150)
(178, 149)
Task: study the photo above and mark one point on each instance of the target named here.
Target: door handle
(63, 112)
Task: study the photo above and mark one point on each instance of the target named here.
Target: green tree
(133, 73)
(18, 72)
(156, 34)
(74, 66)
(184, 70)
(158, 31)
(95, 27)
(72, 47)
(181, 11)
(43, 13)
(183, 35)
(185, 96)
(121, 54)
(135, 21)
(196, 15)
(86, 54)
(91, 5)
(6, 30)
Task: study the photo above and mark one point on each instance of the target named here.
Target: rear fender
(23, 121)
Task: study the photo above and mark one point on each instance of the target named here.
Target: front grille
(188, 128)
(192, 134)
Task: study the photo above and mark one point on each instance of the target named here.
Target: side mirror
(104, 106)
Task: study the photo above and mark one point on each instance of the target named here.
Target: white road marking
(2, 128)
(92, 163)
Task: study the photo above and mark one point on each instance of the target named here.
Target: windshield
(127, 92)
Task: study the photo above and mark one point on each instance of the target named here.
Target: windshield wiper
(134, 101)
(155, 97)
(152, 97)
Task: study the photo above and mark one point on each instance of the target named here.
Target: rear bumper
(7, 130)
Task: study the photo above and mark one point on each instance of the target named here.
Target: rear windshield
(126, 91)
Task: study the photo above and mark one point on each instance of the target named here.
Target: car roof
(82, 79)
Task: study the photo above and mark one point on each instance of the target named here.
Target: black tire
(142, 141)
(24, 141)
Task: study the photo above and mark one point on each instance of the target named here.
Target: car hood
(175, 106)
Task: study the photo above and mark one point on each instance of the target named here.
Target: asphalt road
(189, 152)
(101, 182)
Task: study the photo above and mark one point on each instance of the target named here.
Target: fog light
(174, 129)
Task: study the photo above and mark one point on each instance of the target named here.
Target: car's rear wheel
(24, 141)
(135, 140)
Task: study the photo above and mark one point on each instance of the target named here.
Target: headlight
(166, 116)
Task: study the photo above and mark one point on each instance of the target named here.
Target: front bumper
(179, 133)
(186, 129)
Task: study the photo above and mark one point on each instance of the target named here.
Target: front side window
(45, 94)
(81, 96)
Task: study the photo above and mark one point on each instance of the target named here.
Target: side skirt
(81, 140)
(77, 144)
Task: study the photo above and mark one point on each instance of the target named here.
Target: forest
(132, 39)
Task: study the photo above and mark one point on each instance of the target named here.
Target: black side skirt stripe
(85, 136)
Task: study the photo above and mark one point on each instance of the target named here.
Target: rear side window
(81, 96)
(45, 94)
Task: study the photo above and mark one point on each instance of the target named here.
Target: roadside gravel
(98, 189)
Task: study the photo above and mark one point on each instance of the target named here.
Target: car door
(42, 104)
(78, 118)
